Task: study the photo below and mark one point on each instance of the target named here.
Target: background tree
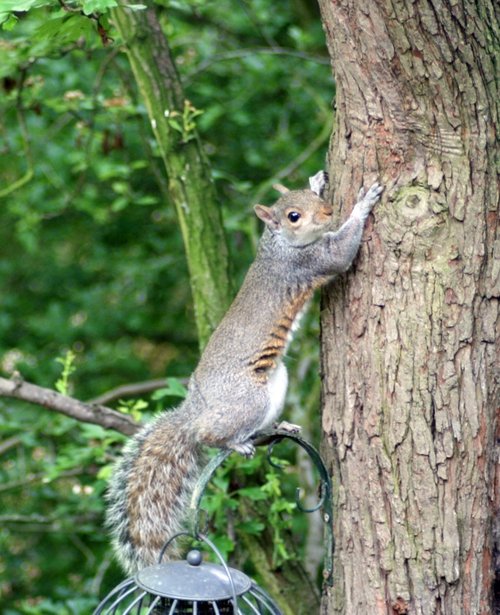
(190, 186)
(409, 341)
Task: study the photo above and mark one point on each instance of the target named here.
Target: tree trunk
(189, 181)
(409, 336)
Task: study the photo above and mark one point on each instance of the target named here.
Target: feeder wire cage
(191, 586)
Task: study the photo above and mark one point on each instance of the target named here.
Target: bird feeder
(190, 586)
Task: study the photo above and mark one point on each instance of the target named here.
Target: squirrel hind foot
(247, 449)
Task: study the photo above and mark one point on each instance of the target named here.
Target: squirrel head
(300, 217)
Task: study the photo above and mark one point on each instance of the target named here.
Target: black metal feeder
(190, 586)
(201, 588)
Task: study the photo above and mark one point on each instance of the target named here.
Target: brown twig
(31, 479)
(129, 390)
(238, 54)
(132, 390)
(6, 445)
(88, 413)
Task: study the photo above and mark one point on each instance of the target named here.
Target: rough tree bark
(409, 339)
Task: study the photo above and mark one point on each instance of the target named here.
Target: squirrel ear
(281, 189)
(266, 214)
(319, 183)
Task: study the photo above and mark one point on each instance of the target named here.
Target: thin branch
(88, 413)
(129, 390)
(89, 139)
(256, 22)
(238, 54)
(314, 145)
(34, 518)
(30, 171)
(40, 523)
(6, 445)
(41, 477)
(97, 580)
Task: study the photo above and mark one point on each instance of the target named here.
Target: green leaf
(174, 388)
(173, 123)
(224, 544)
(120, 203)
(10, 23)
(68, 363)
(65, 29)
(94, 432)
(254, 493)
(251, 527)
(97, 6)
(134, 407)
(106, 472)
(20, 6)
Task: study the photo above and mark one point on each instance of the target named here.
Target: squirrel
(238, 388)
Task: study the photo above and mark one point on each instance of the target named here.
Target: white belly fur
(278, 381)
(276, 387)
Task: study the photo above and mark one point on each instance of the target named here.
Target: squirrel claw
(374, 192)
(289, 427)
(247, 449)
(366, 200)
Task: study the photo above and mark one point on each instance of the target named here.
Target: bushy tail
(150, 489)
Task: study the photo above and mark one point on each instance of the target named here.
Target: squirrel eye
(294, 216)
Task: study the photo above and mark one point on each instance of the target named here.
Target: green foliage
(174, 388)
(91, 259)
(134, 407)
(184, 122)
(68, 367)
(64, 606)
(255, 499)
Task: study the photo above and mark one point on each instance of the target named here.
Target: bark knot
(400, 607)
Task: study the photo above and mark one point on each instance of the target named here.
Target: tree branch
(39, 523)
(6, 445)
(35, 518)
(88, 413)
(238, 54)
(31, 479)
(130, 390)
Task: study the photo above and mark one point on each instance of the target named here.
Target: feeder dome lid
(192, 579)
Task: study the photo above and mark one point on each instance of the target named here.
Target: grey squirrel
(239, 385)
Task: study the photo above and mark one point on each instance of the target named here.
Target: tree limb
(130, 390)
(238, 54)
(35, 518)
(6, 445)
(31, 479)
(88, 413)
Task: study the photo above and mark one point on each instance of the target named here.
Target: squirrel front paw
(367, 200)
(288, 427)
(247, 449)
